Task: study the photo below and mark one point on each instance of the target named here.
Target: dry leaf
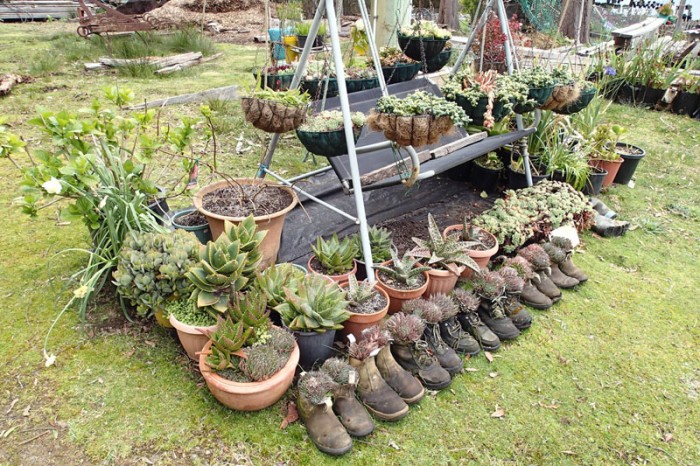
(471, 369)
(552, 406)
(499, 412)
(668, 437)
(129, 354)
(25, 413)
(493, 375)
(292, 415)
(489, 356)
(12, 405)
(393, 445)
(569, 452)
(150, 343)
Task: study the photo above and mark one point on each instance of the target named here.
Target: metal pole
(369, 32)
(350, 140)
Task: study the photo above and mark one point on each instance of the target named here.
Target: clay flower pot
(441, 282)
(481, 258)
(356, 323)
(397, 296)
(612, 167)
(343, 277)
(191, 338)
(273, 223)
(248, 396)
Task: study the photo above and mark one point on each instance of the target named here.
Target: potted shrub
(248, 364)
(417, 119)
(192, 220)
(447, 257)
(631, 155)
(233, 200)
(482, 244)
(381, 244)
(334, 258)
(396, 67)
(540, 83)
(191, 323)
(314, 311)
(276, 111)
(152, 270)
(274, 280)
(324, 134)
(303, 28)
(275, 77)
(485, 172)
(439, 61)
(601, 150)
(403, 279)
(367, 305)
(594, 182)
(423, 40)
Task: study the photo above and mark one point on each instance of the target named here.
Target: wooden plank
(458, 144)
(155, 61)
(218, 93)
(187, 64)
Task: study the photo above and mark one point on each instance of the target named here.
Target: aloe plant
(247, 235)
(405, 270)
(445, 253)
(316, 306)
(273, 280)
(250, 309)
(379, 241)
(334, 255)
(228, 337)
(359, 292)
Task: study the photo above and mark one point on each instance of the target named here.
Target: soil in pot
(631, 155)
(481, 253)
(595, 181)
(315, 266)
(517, 180)
(227, 201)
(193, 221)
(314, 347)
(398, 292)
(366, 315)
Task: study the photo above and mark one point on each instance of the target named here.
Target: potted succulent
(190, 322)
(417, 119)
(485, 172)
(234, 199)
(303, 28)
(447, 257)
(324, 134)
(274, 280)
(367, 305)
(276, 77)
(319, 75)
(192, 220)
(396, 67)
(248, 364)
(601, 150)
(314, 311)
(334, 258)
(403, 279)
(540, 83)
(151, 271)
(440, 60)
(482, 244)
(276, 111)
(423, 40)
(381, 244)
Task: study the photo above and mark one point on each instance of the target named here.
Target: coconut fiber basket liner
(273, 117)
(416, 131)
(562, 95)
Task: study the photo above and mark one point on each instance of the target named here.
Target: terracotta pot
(273, 223)
(612, 167)
(441, 281)
(481, 258)
(356, 323)
(343, 277)
(397, 297)
(250, 396)
(191, 338)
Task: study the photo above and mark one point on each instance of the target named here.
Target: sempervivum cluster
(556, 254)
(513, 281)
(447, 305)
(466, 300)
(372, 339)
(405, 328)
(316, 386)
(521, 265)
(426, 310)
(536, 256)
(489, 285)
(340, 371)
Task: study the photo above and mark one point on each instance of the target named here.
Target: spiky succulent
(249, 237)
(251, 310)
(489, 285)
(466, 300)
(273, 280)
(375, 333)
(359, 292)
(405, 270)
(562, 242)
(444, 253)
(262, 362)
(424, 309)
(521, 265)
(228, 337)
(340, 371)
(446, 304)
(316, 305)
(556, 254)
(316, 386)
(371, 339)
(536, 256)
(405, 328)
(281, 340)
(334, 255)
(514, 283)
(379, 241)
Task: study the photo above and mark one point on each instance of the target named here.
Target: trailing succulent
(535, 77)
(422, 103)
(445, 253)
(425, 30)
(389, 57)
(331, 120)
(317, 305)
(152, 267)
(335, 256)
(187, 312)
(405, 270)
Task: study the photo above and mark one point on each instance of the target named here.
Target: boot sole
(387, 417)
(454, 370)
(562, 287)
(360, 434)
(541, 307)
(415, 399)
(437, 387)
(334, 451)
(523, 327)
(491, 348)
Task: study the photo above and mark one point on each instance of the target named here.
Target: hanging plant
(396, 66)
(324, 133)
(423, 40)
(276, 111)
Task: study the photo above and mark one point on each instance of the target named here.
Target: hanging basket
(439, 61)
(276, 82)
(416, 131)
(362, 84)
(270, 116)
(401, 72)
(327, 143)
(537, 96)
(411, 47)
(476, 112)
(562, 95)
(585, 98)
(316, 87)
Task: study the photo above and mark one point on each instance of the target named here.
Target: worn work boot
(324, 429)
(414, 357)
(352, 414)
(568, 268)
(560, 279)
(607, 227)
(402, 382)
(471, 323)
(446, 356)
(500, 324)
(516, 312)
(531, 296)
(460, 340)
(546, 286)
(377, 396)
(602, 209)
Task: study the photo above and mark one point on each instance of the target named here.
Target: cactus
(405, 328)
(466, 300)
(404, 270)
(446, 253)
(317, 305)
(335, 256)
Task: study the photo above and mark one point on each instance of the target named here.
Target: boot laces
(474, 319)
(422, 354)
(438, 342)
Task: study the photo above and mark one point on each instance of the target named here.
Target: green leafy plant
(303, 28)
(491, 161)
(288, 98)
(389, 57)
(275, 279)
(187, 312)
(444, 253)
(426, 30)
(331, 120)
(405, 270)
(603, 141)
(335, 256)
(422, 103)
(379, 241)
(316, 306)
(536, 77)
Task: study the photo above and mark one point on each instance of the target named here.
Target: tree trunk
(449, 14)
(309, 8)
(569, 23)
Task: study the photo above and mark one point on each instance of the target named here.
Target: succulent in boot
(511, 303)
(377, 396)
(556, 256)
(314, 406)
(451, 330)
(567, 266)
(529, 295)
(490, 287)
(431, 313)
(539, 260)
(412, 354)
(470, 321)
(352, 414)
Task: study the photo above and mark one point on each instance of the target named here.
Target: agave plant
(446, 253)
(316, 306)
(334, 255)
(405, 270)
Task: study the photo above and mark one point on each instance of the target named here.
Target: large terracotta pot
(250, 396)
(441, 282)
(397, 297)
(612, 167)
(356, 323)
(273, 223)
(343, 277)
(481, 258)
(191, 338)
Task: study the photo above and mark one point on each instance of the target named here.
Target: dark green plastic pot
(315, 87)
(476, 113)
(412, 47)
(327, 143)
(202, 232)
(539, 95)
(357, 85)
(401, 72)
(439, 61)
(517, 180)
(629, 166)
(582, 102)
(276, 82)
(594, 183)
(314, 348)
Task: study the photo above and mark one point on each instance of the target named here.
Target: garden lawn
(610, 375)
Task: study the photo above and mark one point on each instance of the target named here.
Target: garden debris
(292, 415)
(217, 93)
(489, 356)
(7, 82)
(164, 65)
(498, 413)
(12, 405)
(25, 413)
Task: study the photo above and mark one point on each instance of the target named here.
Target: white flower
(81, 291)
(49, 359)
(53, 186)
(102, 204)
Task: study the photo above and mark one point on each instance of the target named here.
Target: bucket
(276, 38)
(289, 42)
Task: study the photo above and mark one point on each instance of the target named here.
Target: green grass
(602, 378)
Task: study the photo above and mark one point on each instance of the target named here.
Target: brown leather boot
(402, 382)
(568, 268)
(531, 296)
(517, 312)
(415, 358)
(546, 286)
(324, 429)
(376, 394)
(561, 280)
(352, 414)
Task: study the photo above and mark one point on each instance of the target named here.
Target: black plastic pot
(314, 347)
(159, 206)
(539, 95)
(484, 179)
(301, 41)
(439, 61)
(650, 96)
(627, 169)
(316, 87)
(412, 47)
(518, 180)
(476, 113)
(357, 85)
(327, 143)
(202, 232)
(595, 181)
(276, 82)
(686, 103)
(625, 94)
(401, 72)
(582, 102)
